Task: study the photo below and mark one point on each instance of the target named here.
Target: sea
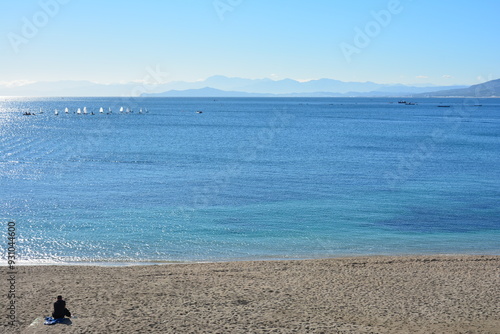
(171, 180)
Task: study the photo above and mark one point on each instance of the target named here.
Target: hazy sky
(412, 42)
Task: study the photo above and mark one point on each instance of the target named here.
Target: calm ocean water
(249, 178)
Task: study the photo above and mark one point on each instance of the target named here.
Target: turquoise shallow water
(249, 178)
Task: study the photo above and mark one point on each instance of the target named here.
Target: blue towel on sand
(52, 321)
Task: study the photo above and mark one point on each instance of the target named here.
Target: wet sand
(409, 294)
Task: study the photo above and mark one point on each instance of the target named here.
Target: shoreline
(142, 262)
(361, 294)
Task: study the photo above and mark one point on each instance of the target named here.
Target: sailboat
(128, 110)
(109, 111)
(41, 111)
(79, 111)
(84, 110)
(66, 110)
(140, 111)
(56, 112)
(101, 110)
(121, 109)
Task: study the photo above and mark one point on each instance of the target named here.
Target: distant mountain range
(218, 86)
(69, 88)
(221, 86)
(485, 89)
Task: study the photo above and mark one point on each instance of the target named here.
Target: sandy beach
(419, 294)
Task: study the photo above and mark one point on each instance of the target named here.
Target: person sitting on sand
(60, 310)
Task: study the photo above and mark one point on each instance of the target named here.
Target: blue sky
(413, 42)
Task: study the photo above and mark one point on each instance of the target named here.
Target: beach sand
(417, 294)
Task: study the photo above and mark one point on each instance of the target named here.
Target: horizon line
(24, 82)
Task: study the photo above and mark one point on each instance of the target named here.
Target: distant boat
(79, 111)
(101, 110)
(121, 109)
(443, 106)
(27, 113)
(402, 101)
(41, 111)
(66, 110)
(84, 110)
(128, 110)
(140, 111)
(199, 112)
(56, 112)
(146, 110)
(109, 111)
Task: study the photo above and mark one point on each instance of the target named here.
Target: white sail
(79, 111)
(140, 110)
(66, 110)
(128, 110)
(121, 109)
(101, 110)
(56, 112)
(84, 110)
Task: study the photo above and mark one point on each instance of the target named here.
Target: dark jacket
(60, 310)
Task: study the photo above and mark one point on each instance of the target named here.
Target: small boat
(85, 110)
(199, 112)
(109, 111)
(79, 111)
(121, 109)
(41, 111)
(140, 111)
(66, 110)
(56, 112)
(101, 110)
(443, 106)
(27, 113)
(402, 101)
